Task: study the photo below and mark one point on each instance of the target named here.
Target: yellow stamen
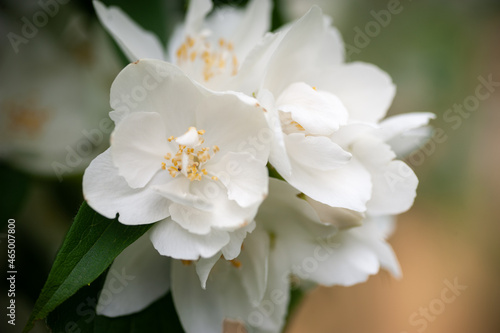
(236, 263)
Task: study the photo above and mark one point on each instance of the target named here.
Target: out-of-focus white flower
(178, 156)
(209, 49)
(325, 114)
(53, 96)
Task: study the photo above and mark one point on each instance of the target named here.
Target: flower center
(212, 59)
(190, 156)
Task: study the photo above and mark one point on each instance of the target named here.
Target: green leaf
(90, 246)
(77, 314)
(15, 186)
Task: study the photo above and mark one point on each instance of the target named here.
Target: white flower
(253, 289)
(209, 49)
(53, 97)
(325, 114)
(180, 155)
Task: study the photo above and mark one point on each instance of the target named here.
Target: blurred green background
(434, 50)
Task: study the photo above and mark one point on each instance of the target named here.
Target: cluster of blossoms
(197, 128)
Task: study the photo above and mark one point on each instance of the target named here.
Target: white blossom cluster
(198, 126)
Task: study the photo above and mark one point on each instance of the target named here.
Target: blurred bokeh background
(54, 85)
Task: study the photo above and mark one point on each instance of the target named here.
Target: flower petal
(177, 190)
(137, 277)
(394, 183)
(134, 41)
(394, 189)
(233, 248)
(157, 86)
(278, 156)
(340, 217)
(138, 145)
(235, 123)
(353, 255)
(406, 132)
(202, 310)
(204, 267)
(254, 269)
(318, 153)
(364, 89)
(318, 112)
(109, 194)
(291, 53)
(245, 178)
(395, 126)
(347, 187)
(170, 239)
(244, 28)
(225, 214)
(195, 16)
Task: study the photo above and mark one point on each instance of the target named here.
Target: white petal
(394, 189)
(254, 269)
(177, 190)
(278, 156)
(204, 267)
(202, 310)
(399, 124)
(348, 186)
(134, 41)
(290, 60)
(254, 67)
(276, 297)
(333, 52)
(316, 152)
(235, 123)
(343, 260)
(109, 194)
(172, 240)
(245, 178)
(197, 11)
(364, 89)
(394, 183)
(233, 248)
(138, 145)
(226, 214)
(283, 213)
(318, 112)
(349, 133)
(410, 141)
(138, 277)
(231, 251)
(199, 310)
(340, 217)
(356, 253)
(406, 132)
(244, 28)
(157, 86)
